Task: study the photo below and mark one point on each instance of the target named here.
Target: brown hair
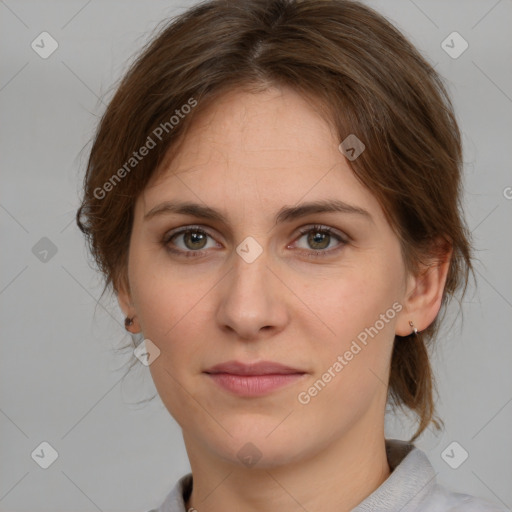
(365, 77)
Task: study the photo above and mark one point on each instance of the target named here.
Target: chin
(258, 451)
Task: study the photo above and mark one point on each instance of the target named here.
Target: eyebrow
(285, 214)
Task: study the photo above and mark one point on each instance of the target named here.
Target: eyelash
(303, 231)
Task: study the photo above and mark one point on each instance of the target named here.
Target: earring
(128, 322)
(414, 330)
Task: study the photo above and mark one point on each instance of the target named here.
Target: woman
(274, 195)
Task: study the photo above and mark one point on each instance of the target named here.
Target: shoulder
(175, 500)
(442, 499)
(413, 487)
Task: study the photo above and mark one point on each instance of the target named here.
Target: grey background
(61, 377)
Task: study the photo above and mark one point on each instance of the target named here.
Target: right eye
(188, 240)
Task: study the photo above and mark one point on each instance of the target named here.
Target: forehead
(266, 148)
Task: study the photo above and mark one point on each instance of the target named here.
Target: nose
(252, 301)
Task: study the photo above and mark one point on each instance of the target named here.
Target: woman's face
(243, 287)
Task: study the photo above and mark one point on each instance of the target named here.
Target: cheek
(353, 354)
(358, 313)
(350, 303)
(162, 295)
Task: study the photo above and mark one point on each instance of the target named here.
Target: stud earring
(414, 330)
(128, 322)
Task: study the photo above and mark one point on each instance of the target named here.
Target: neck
(335, 479)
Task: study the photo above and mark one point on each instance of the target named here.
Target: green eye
(319, 238)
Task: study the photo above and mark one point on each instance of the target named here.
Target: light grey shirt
(411, 487)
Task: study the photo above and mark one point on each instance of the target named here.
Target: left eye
(319, 238)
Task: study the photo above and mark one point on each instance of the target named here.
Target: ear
(125, 302)
(424, 292)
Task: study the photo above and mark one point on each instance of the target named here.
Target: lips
(255, 379)
(260, 368)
